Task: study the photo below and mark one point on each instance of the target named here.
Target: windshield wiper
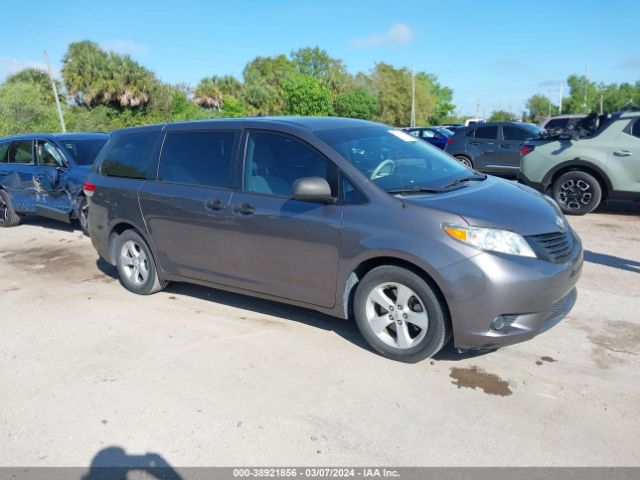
(414, 190)
(475, 178)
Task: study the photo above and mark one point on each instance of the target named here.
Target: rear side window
(513, 133)
(197, 158)
(635, 130)
(4, 149)
(129, 155)
(487, 133)
(21, 152)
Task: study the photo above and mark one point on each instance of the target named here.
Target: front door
(623, 160)
(285, 247)
(186, 209)
(52, 198)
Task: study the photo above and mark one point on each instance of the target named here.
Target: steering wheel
(377, 172)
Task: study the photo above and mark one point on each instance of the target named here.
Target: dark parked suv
(492, 147)
(351, 218)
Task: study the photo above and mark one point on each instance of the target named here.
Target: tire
(465, 160)
(420, 304)
(8, 215)
(577, 192)
(133, 259)
(83, 215)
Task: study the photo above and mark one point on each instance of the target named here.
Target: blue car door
(52, 199)
(16, 175)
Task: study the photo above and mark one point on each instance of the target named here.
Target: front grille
(553, 247)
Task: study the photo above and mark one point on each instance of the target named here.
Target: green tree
(95, 77)
(304, 95)
(357, 103)
(502, 116)
(233, 107)
(583, 95)
(263, 84)
(443, 98)
(40, 79)
(23, 110)
(540, 107)
(208, 94)
(315, 62)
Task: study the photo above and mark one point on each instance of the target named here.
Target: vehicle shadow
(612, 261)
(47, 223)
(619, 207)
(346, 329)
(113, 463)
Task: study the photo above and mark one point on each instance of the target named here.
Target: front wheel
(135, 264)
(577, 193)
(8, 216)
(400, 315)
(464, 160)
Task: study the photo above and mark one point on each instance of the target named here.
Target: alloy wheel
(135, 264)
(575, 193)
(397, 315)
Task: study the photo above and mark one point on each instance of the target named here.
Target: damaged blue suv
(43, 174)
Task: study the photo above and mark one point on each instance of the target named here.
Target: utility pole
(601, 100)
(477, 105)
(586, 83)
(560, 106)
(55, 94)
(412, 121)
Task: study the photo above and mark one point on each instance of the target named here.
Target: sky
(495, 52)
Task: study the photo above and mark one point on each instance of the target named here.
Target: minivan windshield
(396, 161)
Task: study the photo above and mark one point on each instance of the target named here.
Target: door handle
(244, 209)
(214, 204)
(505, 146)
(622, 153)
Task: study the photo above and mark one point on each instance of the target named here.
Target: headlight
(490, 239)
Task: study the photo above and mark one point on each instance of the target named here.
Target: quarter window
(129, 155)
(275, 162)
(635, 129)
(197, 158)
(487, 133)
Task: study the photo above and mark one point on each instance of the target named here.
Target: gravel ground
(202, 377)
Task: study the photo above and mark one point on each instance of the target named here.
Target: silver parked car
(351, 218)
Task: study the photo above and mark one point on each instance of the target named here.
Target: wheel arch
(369, 264)
(117, 230)
(578, 164)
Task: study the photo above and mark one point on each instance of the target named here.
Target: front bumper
(539, 186)
(533, 294)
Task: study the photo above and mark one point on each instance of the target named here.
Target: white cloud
(9, 66)
(399, 34)
(123, 46)
(631, 63)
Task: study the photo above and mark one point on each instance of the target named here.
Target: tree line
(104, 90)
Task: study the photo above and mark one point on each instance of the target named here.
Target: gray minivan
(348, 217)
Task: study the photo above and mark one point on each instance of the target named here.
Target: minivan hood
(497, 203)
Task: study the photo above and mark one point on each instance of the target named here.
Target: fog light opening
(502, 322)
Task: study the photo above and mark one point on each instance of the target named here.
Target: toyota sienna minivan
(351, 218)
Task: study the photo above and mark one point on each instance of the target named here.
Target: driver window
(48, 155)
(274, 162)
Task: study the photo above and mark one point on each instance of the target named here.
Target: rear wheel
(400, 315)
(135, 264)
(8, 216)
(465, 160)
(83, 215)
(577, 192)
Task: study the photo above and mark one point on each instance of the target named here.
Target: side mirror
(312, 189)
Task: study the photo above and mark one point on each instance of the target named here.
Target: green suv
(579, 172)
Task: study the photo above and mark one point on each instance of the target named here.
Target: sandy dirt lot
(203, 377)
